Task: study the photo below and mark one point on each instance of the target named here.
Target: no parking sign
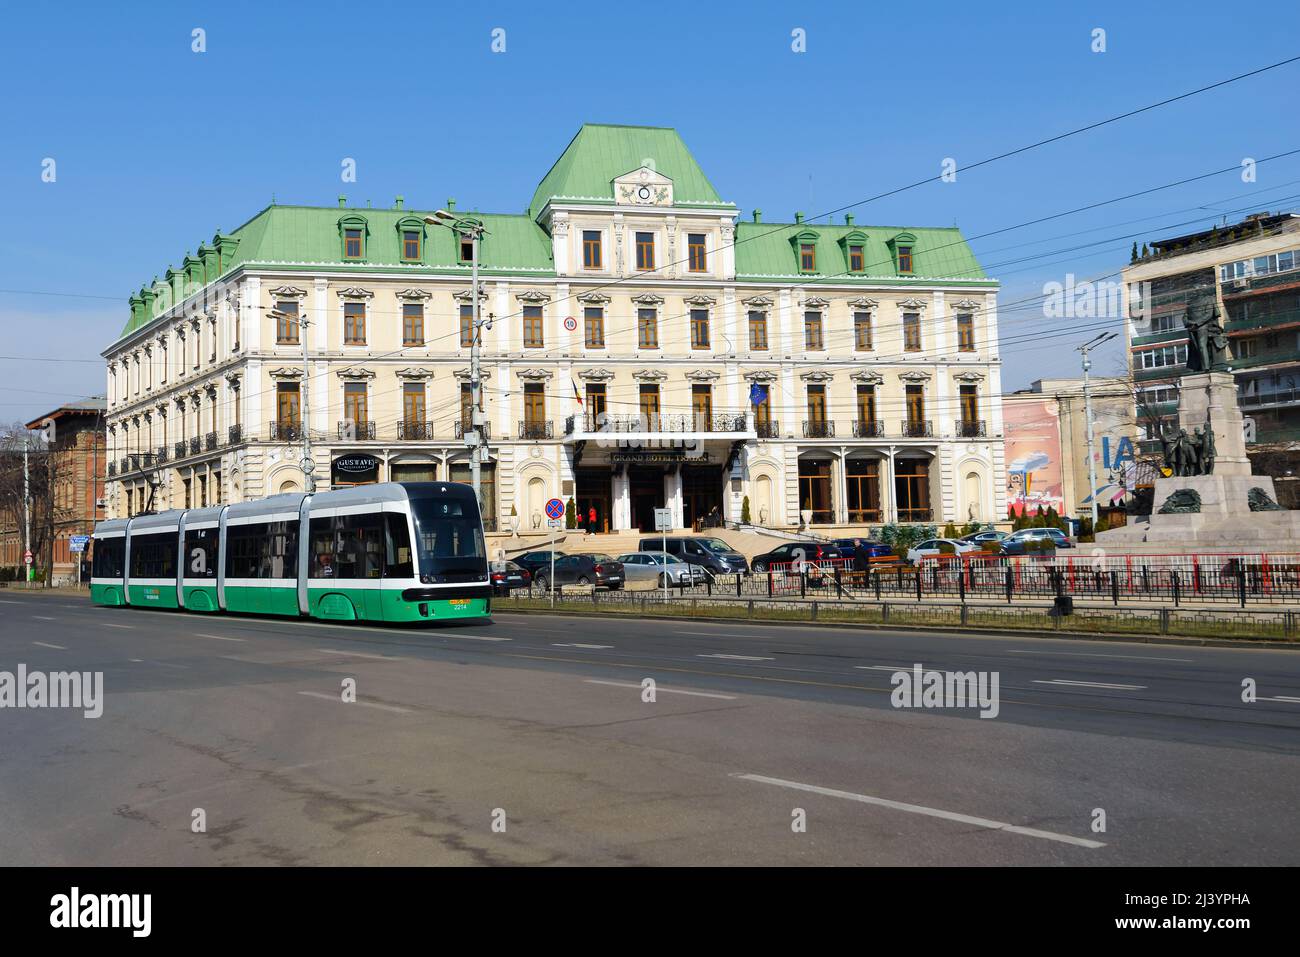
(555, 508)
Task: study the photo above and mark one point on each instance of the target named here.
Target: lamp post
(461, 226)
(1085, 349)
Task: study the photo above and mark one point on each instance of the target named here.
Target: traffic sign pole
(554, 509)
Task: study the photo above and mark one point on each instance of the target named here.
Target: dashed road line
(737, 657)
(357, 654)
(218, 637)
(46, 644)
(661, 688)
(1092, 654)
(364, 704)
(44, 618)
(1091, 684)
(558, 644)
(109, 624)
(1288, 699)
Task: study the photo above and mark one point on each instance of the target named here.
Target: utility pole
(27, 513)
(306, 463)
(1085, 349)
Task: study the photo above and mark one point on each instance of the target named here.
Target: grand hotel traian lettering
(649, 348)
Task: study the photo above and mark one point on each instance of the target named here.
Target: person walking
(591, 520)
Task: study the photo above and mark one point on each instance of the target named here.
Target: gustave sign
(356, 468)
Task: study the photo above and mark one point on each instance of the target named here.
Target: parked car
(931, 547)
(849, 548)
(507, 576)
(794, 551)
(988, 535)
(711, 553)
(1014, 544)
(662, 569)
(584, 569)
(533, 562)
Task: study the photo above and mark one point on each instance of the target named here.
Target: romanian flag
(576, 394)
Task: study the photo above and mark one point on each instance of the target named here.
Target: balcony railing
(1278, 397)
(970, 429)
(414, 431)
(462, 425)
(536, 429)
(915, 515)
(771, 429)
(235, 434)
(196, 445)
(112, 468)
(285, 432)
(210, 441)
(818, 429)
(354, 431)
(124, 464)
(918, 429)
(160, 455)
(868, 428)
(658, 422)
(179, 449)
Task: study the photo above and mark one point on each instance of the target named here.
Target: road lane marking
(5, 601)
(1091, 684)
(364, 704)
(46, 644)
(478, 637)
(44, 618)
(218, 637)
(557, 644)
(906, 668)
(927, 811)
(632, 684)
(138, 661)
(737, 657)
(1287, 698)
(1090, 654)
(109, 624)
(356, 654)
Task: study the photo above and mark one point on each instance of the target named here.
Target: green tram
(343, 555)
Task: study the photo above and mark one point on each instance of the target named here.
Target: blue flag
(758, 393)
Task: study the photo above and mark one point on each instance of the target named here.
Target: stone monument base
(1232, 511)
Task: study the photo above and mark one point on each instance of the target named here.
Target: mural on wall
(1033, 443)
(1117, 470)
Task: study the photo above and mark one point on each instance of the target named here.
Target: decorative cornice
(648, 299)
(355, 373)
(970, 375)
(467, 295)
(817, 376)
(868, 378)
(863, 302)
(354, 292)
(287, 372)
(911, 302)
(233, 378)
(533, 297)
(915, 375)
(967, 305)
(761, 375)
(703, 375)
(535, 375)
(595, 375)
(700, 300)
(287, 292)
(593, 298)
(414, 373)
(412, 293)
(650, 375)
(816, 302)
(755, 303)
(463, 374)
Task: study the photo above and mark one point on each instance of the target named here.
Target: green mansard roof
(588, 166)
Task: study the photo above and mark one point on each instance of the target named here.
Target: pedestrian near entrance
(861, 560)
(591, 520)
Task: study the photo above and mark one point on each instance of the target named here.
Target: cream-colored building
(647, 349)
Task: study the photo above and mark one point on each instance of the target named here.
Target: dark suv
(593, 569)
(794, 551)
(711, 553)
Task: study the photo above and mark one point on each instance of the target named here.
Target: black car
(707, 552)
(849, 548)
(591, 569)
(793, 552)
(508, 576)
(533, 562)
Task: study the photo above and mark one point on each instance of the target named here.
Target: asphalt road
(527, 740)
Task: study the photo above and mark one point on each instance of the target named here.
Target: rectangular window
(856, 261)
(763, 415)
(695, 253)
(352, 244)
(911, 332)
(813, 341)
(912, 490)
(970, 409)
(465, 245)
(466, 326)
(354, 323)
(867, 410)
(702, 407)
(286, 322)
(915, 408)
(699, 328)
(863, 487)
(817, 404)
(411, 244)
(758, 331)
(412, 323)
(591, 258)
(354, 404)
(647, 328)
(965, 332)
(534, 404)
(595, 402)
(203, 491)
(649, 405)
(286, 404)
(862, 332)
(412, 403)
(153, 556)
(645, 251)
(593, 318)
(533, 327)
(807, 257)
(905, 259)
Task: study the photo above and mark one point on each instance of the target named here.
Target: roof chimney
(398, 203)
(758, 215)
(343, 201)
(451, 205)
(798, 217)
(848, 219)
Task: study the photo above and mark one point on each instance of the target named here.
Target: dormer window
(353, 245)
(807, 257)
(857, 261)
(903, 246)
(410, 244)
(904, 259)
(466, 244)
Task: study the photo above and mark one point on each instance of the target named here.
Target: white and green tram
(403, 551)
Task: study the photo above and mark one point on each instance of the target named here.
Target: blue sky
(157, 146)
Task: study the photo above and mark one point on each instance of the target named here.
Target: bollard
(769, 583)
(737, 584)
(1241, 582)
(814, 612)
(918, 584)
(803, 583)
(1114, 587)
(961, 593)
(1008, 584)
(875, 575)
(1173, 580)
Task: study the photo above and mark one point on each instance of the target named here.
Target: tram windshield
(449, 537)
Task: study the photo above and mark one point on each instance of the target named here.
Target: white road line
(356, 654)
(629, 684)
(713, 634)
(109, 624)
(737, 657)
(5, 601)
(558, 644)
(45, 644)
(138, 661)
(218, 637)
(1089, 654)
(907, 668)
(927, 811)
(1286, 698)
(364, 704)
(1091, 684)
(478, 637)
(44, 618)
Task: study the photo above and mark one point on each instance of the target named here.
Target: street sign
(555, 522)
(27, 557)
(79, 540)
(77, 546)
(554, 509)
(663, 520)
(570, 323)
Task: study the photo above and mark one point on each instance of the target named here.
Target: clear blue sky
(157, 146)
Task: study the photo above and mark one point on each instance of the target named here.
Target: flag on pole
(576, 394)
(758, 393)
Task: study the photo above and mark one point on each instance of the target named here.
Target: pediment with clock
(645, 186)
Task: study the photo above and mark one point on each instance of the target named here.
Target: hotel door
(646, 487)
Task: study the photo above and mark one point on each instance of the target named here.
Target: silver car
(661, 568)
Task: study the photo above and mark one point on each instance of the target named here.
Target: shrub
(950, 530)
(570, 514)
(744, 511)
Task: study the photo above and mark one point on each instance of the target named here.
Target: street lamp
(473, 435)
(307, 463)
(1087, 414)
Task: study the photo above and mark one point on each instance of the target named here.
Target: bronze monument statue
(1186, 455)
(1207, 344)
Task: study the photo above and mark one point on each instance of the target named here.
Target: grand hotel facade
(649, 348)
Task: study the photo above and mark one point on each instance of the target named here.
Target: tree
(744, 511)
(45, 475)
(570, 514)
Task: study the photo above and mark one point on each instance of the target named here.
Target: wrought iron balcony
(179, 449)
(414, 431)
(354, 431)
(210, 441)
(657, 422)
(771, 429)
(533, 429)
(462, 426)
(124, 464)
(915, 515)
(160, 456)
(196, 445)
(112, 468)
(235, 434)
(818, 429)
(970, 429)
(918, 428)
(868, 428)
(285, 432)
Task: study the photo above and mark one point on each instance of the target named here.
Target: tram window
(108, 558)
(347, 546)
(244, 549)
(201, 553)
(397, 547)
(279, 557)
(153, 556)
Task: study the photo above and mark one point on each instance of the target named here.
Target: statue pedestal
(1212, 397)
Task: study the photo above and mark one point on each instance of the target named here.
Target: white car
(930, 548)
(661, 568)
